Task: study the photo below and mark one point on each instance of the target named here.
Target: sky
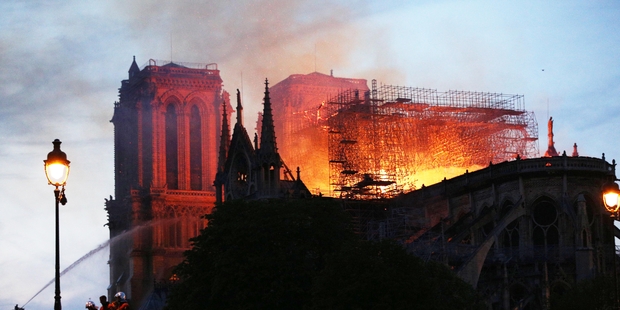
(62, 62)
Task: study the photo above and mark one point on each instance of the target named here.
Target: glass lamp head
(57, 166)
(610, 197)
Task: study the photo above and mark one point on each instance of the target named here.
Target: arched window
(172, 149)
(510, 238)
(270, 177)
(545, 235)
(511, 235)
(173, 229)
(553, 236)
(195, 150)
(239, 176)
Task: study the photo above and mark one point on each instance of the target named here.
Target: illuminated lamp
(57, 166)
(610, 198)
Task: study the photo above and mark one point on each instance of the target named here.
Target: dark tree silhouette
(260, 255)
(368, 275)
(595, 294)
(301, 254)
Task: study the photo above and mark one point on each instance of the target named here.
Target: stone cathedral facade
(166, 139)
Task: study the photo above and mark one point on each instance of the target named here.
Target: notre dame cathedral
(174, 159)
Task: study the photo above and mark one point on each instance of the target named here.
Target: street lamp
(611, 192)
(57, 172)
(610, 198)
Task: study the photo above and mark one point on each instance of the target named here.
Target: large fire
(377, 143)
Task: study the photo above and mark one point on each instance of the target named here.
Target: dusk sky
(62, 62)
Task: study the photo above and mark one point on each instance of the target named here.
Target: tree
(369, 275)
(302, 254)
(596, 294)
(260, 255)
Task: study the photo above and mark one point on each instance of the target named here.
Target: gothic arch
(169, 96)
(172, 100)
(169, 212)
(505, 206)
(485, 208)
(198, 97)
(196, 101)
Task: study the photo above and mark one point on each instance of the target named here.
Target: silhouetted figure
(105, 305)
(18, 308)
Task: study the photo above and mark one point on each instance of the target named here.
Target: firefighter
(90, 305)
(120, 302)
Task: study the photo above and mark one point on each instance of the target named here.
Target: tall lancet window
(195, 150)
(173, 229)
(172, 149)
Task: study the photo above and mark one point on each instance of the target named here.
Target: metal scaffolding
(378, 140)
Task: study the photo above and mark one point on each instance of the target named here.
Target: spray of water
(93, 252)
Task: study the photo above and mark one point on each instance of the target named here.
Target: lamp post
(610, 200)
(57, 172)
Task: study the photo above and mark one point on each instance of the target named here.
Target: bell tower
(166, 138)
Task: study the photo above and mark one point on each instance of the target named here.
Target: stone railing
(512, 169)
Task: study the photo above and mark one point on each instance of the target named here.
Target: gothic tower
(166, 137)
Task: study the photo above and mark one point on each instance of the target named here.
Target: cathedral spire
(133, 69)
(268, 134)
(224, 140)
(239, 109)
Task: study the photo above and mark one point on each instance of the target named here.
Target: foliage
(367, 275)
(302, 254)
(260, 255)
(596, 294)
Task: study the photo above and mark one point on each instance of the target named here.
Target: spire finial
(224, 138)
(575, 152)
(239, 109)
(550, 144)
